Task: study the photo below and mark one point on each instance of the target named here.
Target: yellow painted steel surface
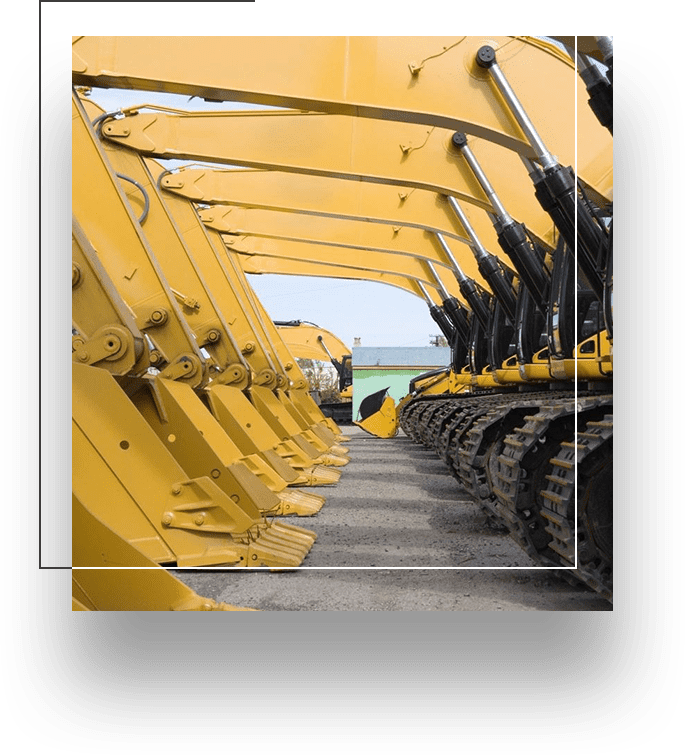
(249, 326)
(198, 306)
(422, 80)
(336, 147)
(254, 434)
(304, 341)
(200, 443)
(130, 589)
(329, 197)
(103, 212)
(433, 385)
(298, 390)
(125, 476)
(203, 448)
(176, 517)
(106, 332)
(509, 372)
(138, 586)
(402, 155)
(383, 423)
(181, 467)
(257, 264)
(343, 257)
(208, 253)
(312, 421)
(359, 238)
(209, 256)
(413, 146)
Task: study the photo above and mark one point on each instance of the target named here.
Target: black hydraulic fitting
(590, 239)
(517, 239)
(477, 300)
(443, 321)
(601, 97)
(458, 315)
(459, 139)
(561, 182)
(485, 57)
(490, 268)
(529, 265)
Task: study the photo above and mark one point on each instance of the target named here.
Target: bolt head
(459, 139)
(485, 57)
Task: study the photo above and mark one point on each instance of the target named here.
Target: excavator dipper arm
(258, 264)
(420, 80)
(396, 154)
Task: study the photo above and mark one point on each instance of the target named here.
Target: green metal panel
(366, 382)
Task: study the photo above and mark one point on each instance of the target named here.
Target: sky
(374, 313)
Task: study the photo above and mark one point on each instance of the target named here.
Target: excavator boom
(419, 80)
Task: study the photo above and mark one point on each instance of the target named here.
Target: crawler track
(520, 456)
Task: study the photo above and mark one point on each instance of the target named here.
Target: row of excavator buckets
(445, 167)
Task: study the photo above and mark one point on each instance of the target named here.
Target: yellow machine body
(128, 479)
(126, 579)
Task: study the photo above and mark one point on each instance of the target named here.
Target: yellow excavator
(305, 340)
(484, 129)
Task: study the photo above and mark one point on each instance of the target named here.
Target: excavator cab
(309, 341)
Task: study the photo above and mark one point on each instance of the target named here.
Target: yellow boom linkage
(212, 518)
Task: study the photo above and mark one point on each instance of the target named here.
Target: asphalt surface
(398, 533)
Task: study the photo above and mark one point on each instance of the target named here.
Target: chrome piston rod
(486, 59)
(489, 266)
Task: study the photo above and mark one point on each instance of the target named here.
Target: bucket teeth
(338, 450)
(343, 438)
(297, 502)
(198, 603)
(280, 545)
(315, 476)
(304, 535)
(331, 460)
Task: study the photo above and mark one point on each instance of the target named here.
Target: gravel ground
(397, 506)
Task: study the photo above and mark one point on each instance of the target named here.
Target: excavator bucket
(253, 434)
(127, 478)
(283, 423)
(137, 590)
(201, 446)
(378, 415)
(126, 579)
